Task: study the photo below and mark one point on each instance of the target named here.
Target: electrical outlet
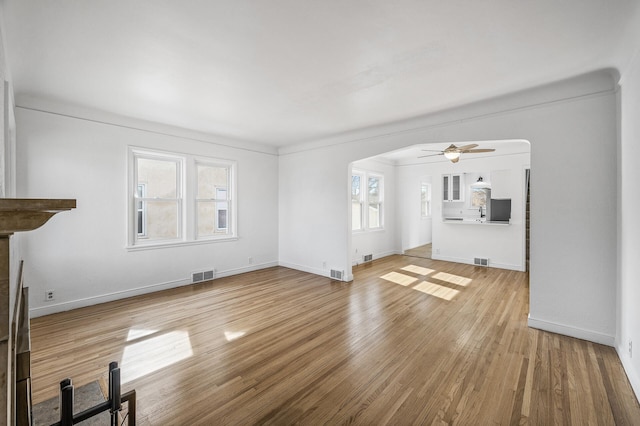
(324, 265)
(49, 295)
(437, 251)
(250, 260)
(630, 349)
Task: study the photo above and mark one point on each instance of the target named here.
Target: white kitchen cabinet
(453, 187)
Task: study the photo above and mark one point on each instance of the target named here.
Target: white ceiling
(285, 71)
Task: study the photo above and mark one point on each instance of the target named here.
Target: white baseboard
(470, 262)
(375, 256)
(629, 369)
(109, 297)
(566, 330)
(348, 277)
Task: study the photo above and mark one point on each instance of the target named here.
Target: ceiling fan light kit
(453, 152)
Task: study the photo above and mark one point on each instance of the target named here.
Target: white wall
(415, 230)
(81, 254)
(572, 129)
(381, 242)
(503, 245)
(629, 245)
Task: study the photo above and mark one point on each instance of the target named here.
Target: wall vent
(337, 275)
(481, 261)
(196, 277)
(367, 257)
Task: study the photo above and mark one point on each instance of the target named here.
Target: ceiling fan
(453, 152)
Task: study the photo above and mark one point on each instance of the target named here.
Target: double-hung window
(158, 197)
(357, 202)
(179, 199)
(213, 201)
(374, 201)
(425, 199)
(367, 201)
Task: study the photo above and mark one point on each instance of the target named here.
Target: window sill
(172, 244)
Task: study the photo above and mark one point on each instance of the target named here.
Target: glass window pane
(206, 218)
(374, 189)
(213, 218)
(355, 188)
(374, 215)
(159, 177)
(356, 216)
(211, 179)
(160, 220)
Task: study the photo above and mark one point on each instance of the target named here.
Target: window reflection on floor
(428, 287)
(151, 354)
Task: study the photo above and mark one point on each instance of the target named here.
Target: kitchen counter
(470, 221)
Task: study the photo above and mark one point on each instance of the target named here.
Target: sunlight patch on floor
(137, 333)
(152, 354)
(398, 278)
(436, 290)
(453, 279)
(420, 270)
(233, 335)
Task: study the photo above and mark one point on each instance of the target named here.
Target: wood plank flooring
(409, 341)
(420, 251)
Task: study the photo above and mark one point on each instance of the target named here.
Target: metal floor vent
(337, 275)
(481, 261)
(367, 257)
(202, 276)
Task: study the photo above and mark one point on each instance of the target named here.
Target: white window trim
(187, 210)
(364, 197)
(231, 200)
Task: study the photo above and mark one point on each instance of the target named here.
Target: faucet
(481, 214)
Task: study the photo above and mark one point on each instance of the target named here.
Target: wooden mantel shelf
(25, 214)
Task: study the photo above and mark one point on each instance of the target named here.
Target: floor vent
(337, 275)
(196, 277)
(367, 257)
(481, 261)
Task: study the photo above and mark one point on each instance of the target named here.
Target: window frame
(380, 202)
(187, 191)
(230, 199)
(361, 201)
(429, 201)
(133, 237)
(365, 202)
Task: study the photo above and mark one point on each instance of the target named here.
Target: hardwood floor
(420, 251)
(409, 341)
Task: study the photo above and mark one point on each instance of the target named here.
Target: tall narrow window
(356, 202)
(213, 200)
(367, 193)
(374, 201)
(158, 192)
(425, 199)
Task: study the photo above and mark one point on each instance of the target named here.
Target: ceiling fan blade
(467, 147)
(475, 151)
(430, 155)
(432, 150)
